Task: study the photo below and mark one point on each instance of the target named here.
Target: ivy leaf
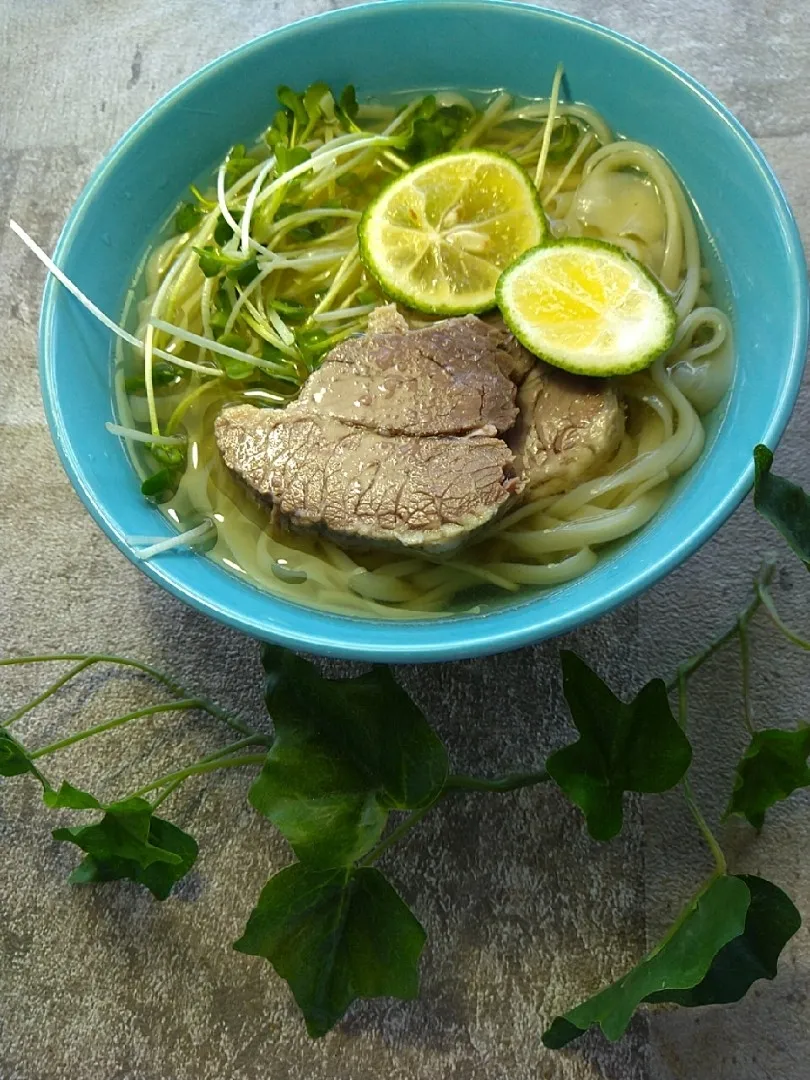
(335, 936)
(783, 503)
(773, 766)
(69, 797)
(129, 842)
(346, 752)
(158, 877)
(622, 747)
(682, 961)
(770, 922)
(14, 759)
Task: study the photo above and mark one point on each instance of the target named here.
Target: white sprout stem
(95, 311)
(253, 194)
(204, 343)
(243, 296)
(187, 538)
(346, 267)
(257, 321)
(491, 115)
(573, 161)
(63, 279)
(280, 327)
(343, 313)
(306, 262)
(222, 199)
(147, 374)
(318, 162)
(143, 436)
(303, 217)
(552, 116)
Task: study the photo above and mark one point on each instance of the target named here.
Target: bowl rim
(324, 633)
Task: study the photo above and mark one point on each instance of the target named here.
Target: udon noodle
(593, 184)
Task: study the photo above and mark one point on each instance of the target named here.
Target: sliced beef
(394, 439)
(387, 320)
(445, 379)
(568, 427)
(359, 485)
(515, 361)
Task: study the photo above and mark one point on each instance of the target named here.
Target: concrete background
(525, 915)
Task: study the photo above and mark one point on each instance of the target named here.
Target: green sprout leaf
(433, 129)
(346, 752)
(292, 310)
(347, 109)
(161, 485)
(187, 218)
(728, 936)
(335, 936)
(318, 102)
(213, 261)
(288, 158)
(622, 747)
(204, 204)
(223, 230)
(237, 163)
(783, 503)
(14, 760)
(129, 842)
(293, 103)
(163, 374)
(237, 370)
(773, 766)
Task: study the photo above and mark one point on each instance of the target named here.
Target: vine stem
(510, 782)
(770, 607)
(87, 659)
(745, 664)
(455, 784)
(251, 740)
(690, 666)
(116, 721)
(694, 809)
(396, 834)
(200, 767)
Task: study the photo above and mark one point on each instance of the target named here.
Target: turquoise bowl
(408, 45)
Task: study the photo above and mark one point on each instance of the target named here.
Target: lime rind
(419, 301)
(663, 323)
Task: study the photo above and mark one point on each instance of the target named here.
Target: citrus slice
(587, 306)
(438, 237)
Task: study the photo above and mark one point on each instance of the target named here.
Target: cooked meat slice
(445, 379)
(387, 320)
(358, 485)
(515, 361)
(567, 428)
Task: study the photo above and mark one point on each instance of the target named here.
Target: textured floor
(524, 913)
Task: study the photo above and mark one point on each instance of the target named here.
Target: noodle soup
(229, 320)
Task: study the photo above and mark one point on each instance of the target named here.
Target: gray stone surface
(524, 913)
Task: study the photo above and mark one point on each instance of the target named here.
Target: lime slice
(438, 237)
(588, 307)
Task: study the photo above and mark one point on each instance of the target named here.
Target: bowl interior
(403, 45)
